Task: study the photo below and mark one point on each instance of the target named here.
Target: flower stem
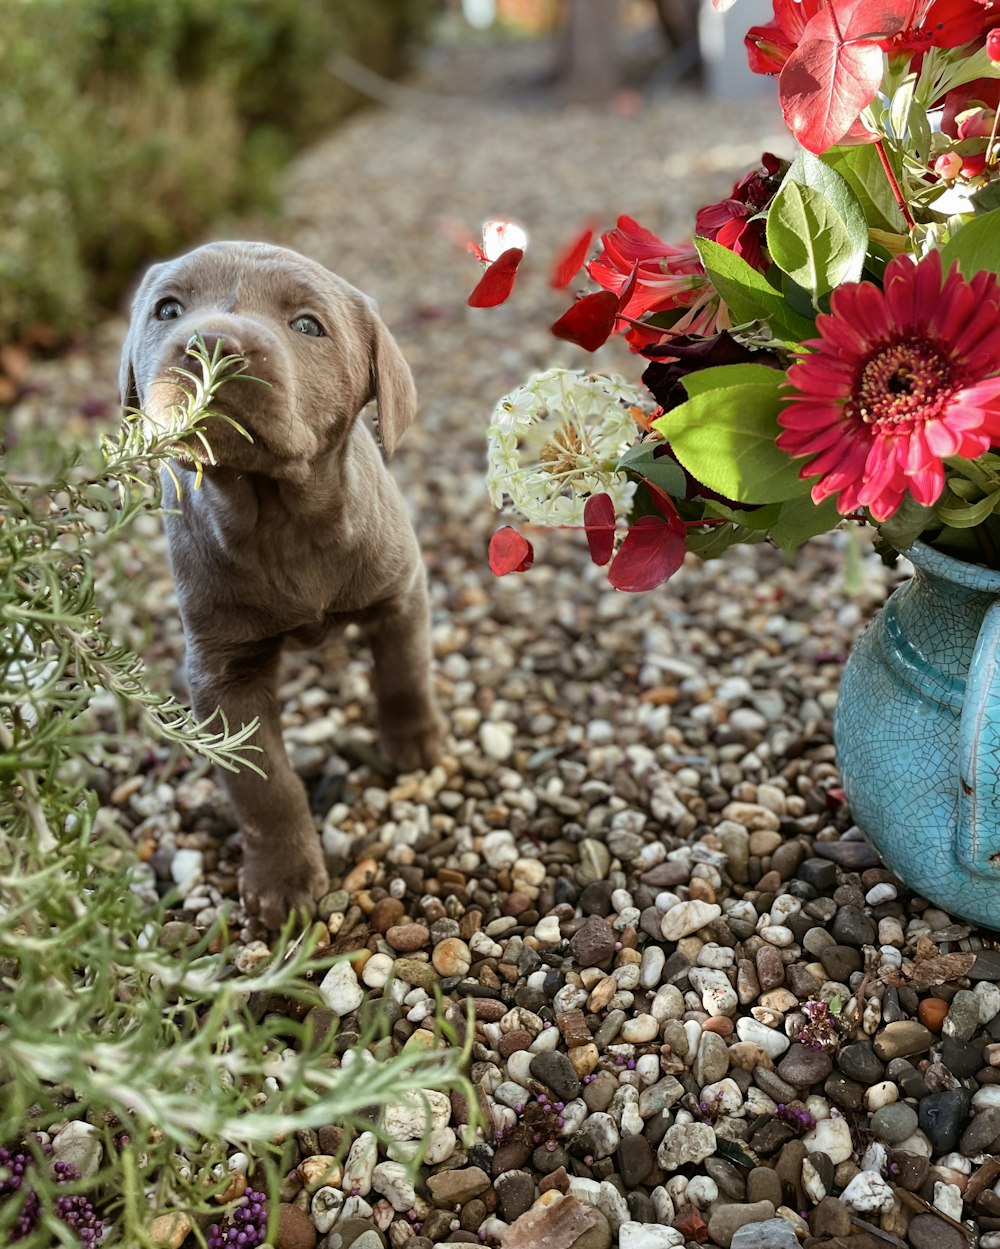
(904, 208)
(991, 154)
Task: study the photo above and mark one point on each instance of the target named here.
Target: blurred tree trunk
(591, 66)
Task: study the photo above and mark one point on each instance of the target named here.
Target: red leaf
(497, 282)
(653, 550)
(590, 321)
(599, 518)
(567, 263)
(664, 504)
(836, 70)
(509, 552)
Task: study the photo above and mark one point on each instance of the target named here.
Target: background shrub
(128, 126)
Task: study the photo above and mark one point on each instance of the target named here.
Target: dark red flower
(736, 223)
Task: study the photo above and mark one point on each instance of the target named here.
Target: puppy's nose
(215, 344)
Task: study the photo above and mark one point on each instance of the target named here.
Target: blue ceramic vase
(917, 732)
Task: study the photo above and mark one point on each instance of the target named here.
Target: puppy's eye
(169, 310)
(308, 325)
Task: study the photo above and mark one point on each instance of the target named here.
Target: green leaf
(725, 438)
(748, 294)
(755, 518)
(722, 375)
(906, 524)
(713, 542)
(959, 515)
(802, 519)
(816, 230)
(975, 246)
(986, 199)
(862, 170)
(661, 470)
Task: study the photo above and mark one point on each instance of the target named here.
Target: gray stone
(983, 1129)
(962, 1019)
(593, 943)
(556, 1072)
(635, 1159)
(943, 1116)
(769, 1234)
(803, 1066)
(515, 1192)
(894, 1123)
(858, 1061)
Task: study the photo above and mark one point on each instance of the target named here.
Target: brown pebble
(515, 904)
(407, 938)
(451, 957)
(361, 876)
(932, 1012)
(296, 1229)
(718, 1023)
(511, 1042)
(385, 914)
(557, 1179)
(770, 882)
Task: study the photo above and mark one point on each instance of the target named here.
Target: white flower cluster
(557, 439)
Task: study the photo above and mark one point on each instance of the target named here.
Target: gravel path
(705, 1013)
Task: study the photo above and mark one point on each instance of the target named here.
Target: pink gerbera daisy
(901, 378)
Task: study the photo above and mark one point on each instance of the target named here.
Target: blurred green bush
(128, 126)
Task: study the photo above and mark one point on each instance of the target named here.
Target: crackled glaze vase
(917, 732)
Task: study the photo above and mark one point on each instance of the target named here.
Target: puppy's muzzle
(216, 345)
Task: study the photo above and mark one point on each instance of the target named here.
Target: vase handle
(978, 834)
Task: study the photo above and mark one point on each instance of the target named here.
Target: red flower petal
(509, 552)
(497, 282)
(599, 518)
(567, 263)
(653, 550)
(590, 321)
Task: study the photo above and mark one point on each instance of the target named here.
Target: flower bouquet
(826, 348)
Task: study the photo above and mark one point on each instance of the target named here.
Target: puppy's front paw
(413, 749)
(289, 880)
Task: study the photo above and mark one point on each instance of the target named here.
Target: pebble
(831, 1137)
(767, 1234)
(726, 1220)
(688, 917)
(296, 1229)
(340, 989)
(632, 1235)
(894, 1123)
(686, 1142)
(868, 1193)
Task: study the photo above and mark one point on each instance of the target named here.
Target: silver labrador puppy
(297, 533)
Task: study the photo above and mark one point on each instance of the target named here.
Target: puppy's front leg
(410, 726)
(283, 867)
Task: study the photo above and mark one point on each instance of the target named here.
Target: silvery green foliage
(175, 1060)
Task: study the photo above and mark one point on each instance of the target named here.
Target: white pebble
(881, 1094)
(832, 1137)
(186, 869)
(639, 1029)
(883, 892)
(868, 1193)
(948, 1199)
(633, 1235)
(773, 1042)
(496, 737)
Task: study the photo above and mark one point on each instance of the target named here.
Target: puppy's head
(315, 340)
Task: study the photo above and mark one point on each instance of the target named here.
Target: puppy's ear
(128, 390)
(392, 387)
